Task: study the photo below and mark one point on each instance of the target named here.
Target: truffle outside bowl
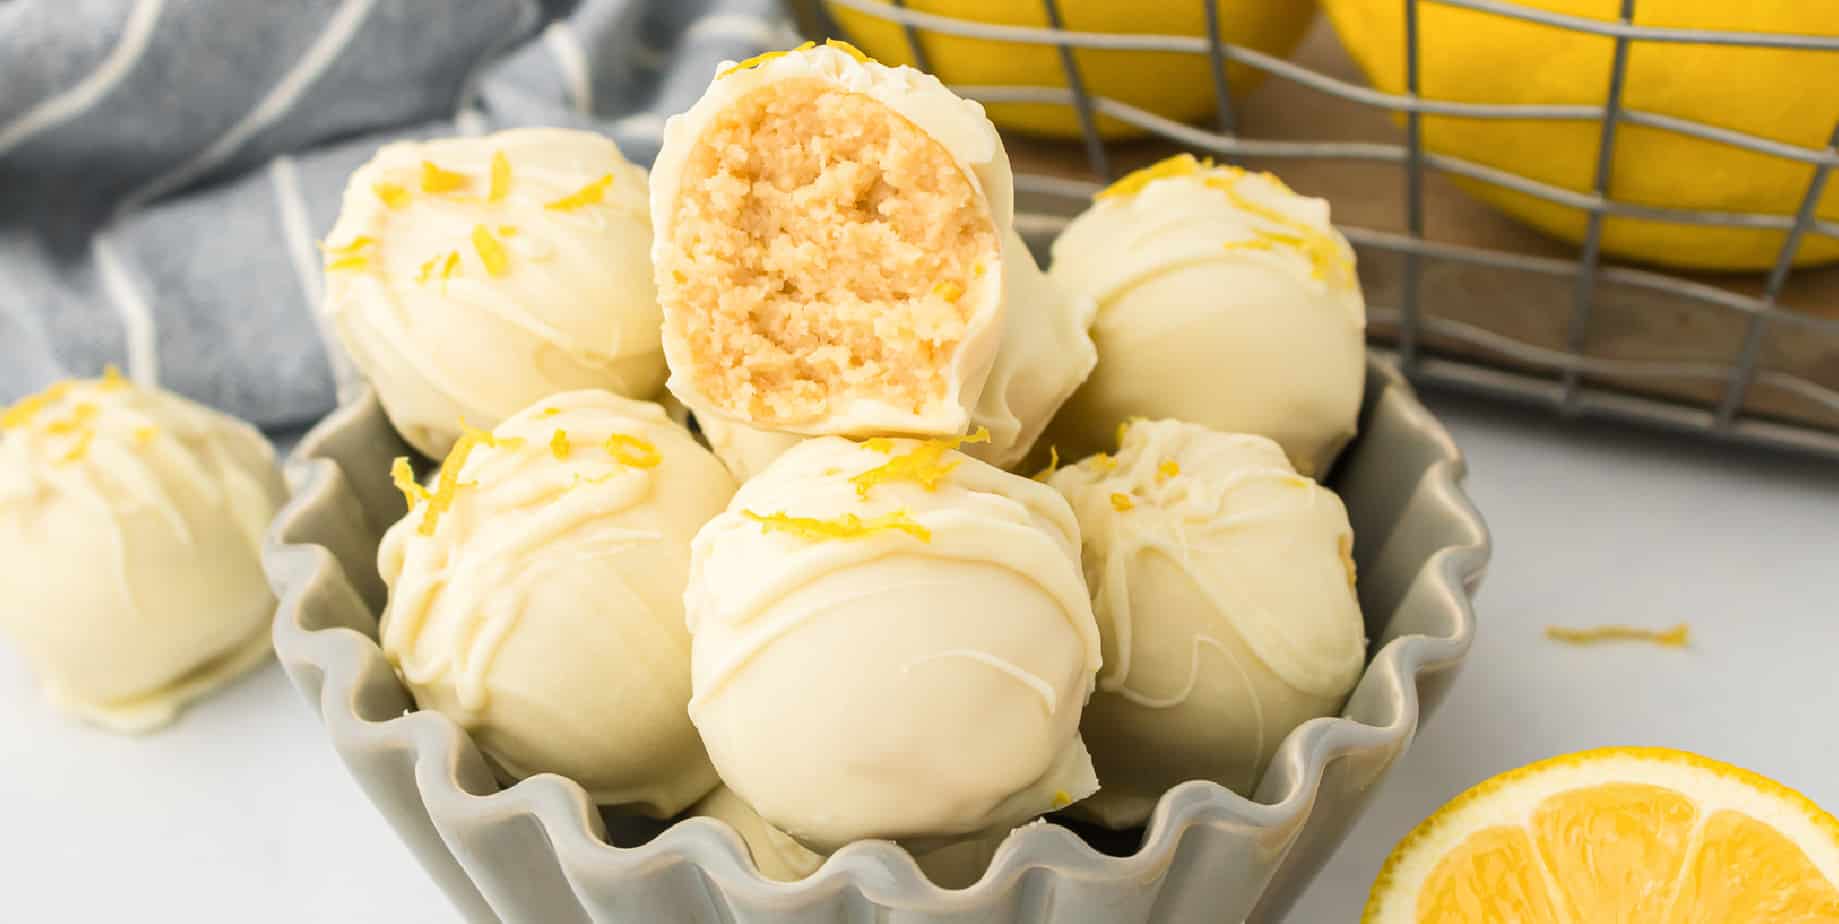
(539, 851)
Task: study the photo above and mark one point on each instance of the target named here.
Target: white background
(241, 812)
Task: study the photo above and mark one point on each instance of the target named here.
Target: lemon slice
(1621, 835)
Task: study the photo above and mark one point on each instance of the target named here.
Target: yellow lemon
(1625, 835)
(1171, 84)
(1786, 96)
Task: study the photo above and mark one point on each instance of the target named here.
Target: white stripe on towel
(297, 227)
(88, 91)
(571, 59)
(136, 316)
(325, 49)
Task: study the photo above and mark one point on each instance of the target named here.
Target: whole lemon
(1171, 84)
(1788, 96)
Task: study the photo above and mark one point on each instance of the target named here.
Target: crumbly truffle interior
(822, 249)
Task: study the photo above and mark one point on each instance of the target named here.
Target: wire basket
(1504, 311)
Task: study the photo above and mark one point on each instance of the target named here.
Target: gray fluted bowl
(539, 851)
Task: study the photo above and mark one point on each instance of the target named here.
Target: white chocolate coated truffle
(782, 859)
(131, 527)
(828, 244)
(1045, 356)
(892, 640)
(469, 277)
(1224, 299)
(536, 595)
(1223, 583)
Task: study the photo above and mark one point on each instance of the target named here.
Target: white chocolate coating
(745, 450)
(1223, 299)
(131, 525)
(957, 124)
(1224, 589)
(892, 685)
(1045, 356)
(782, 859)
(545, 612)
(571, 306)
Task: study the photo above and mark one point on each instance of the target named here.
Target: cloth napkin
(168, 167)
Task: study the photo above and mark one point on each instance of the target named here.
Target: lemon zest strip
(501, 178)
(591, 194)
(491, 252)
(924, 465)
(631, 450)
(847, 526)
(436, 180)
(1677, 637)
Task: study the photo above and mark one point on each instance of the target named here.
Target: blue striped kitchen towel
(167, 166)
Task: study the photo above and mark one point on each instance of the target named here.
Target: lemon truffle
(1224, 299)
(892, 640)
(1045, 355)
(828, 247)
(1223, 585)
(131, 525)
(536, 595)
(782, 859)
(469, 277)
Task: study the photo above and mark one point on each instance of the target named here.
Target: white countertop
(241, 811)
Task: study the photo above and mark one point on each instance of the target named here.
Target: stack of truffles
(859, 608)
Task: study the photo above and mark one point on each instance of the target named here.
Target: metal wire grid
(1569, 394)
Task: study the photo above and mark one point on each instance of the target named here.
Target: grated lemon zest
(1053, 464)
(847, 526)
(1104, 462)
(1133, 182)
(1677, 637)
(924, 465)
(392, 194)
(491, 253)
(551, 411)
(558, 444)
(631, 450)
(79, 417)
(22, 411)
(762, 58)
(506, 230)
(436, 180)
(356, 261)
(1168, 469)
(949, 291)
(501, 178)
(1314, 244)
(848, 49)
(1121, 502)
(404, 477)
(112, 379)
(447, 485)
(144, 436)
(451, 266)
(590, 194)
(880, 444)
(426, 271)
(1061, 799)
(81, 448)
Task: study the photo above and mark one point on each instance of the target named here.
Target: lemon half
(1782, 95)
(1170, 84)
(1622, 835)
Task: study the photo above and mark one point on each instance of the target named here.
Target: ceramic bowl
(540, 851)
